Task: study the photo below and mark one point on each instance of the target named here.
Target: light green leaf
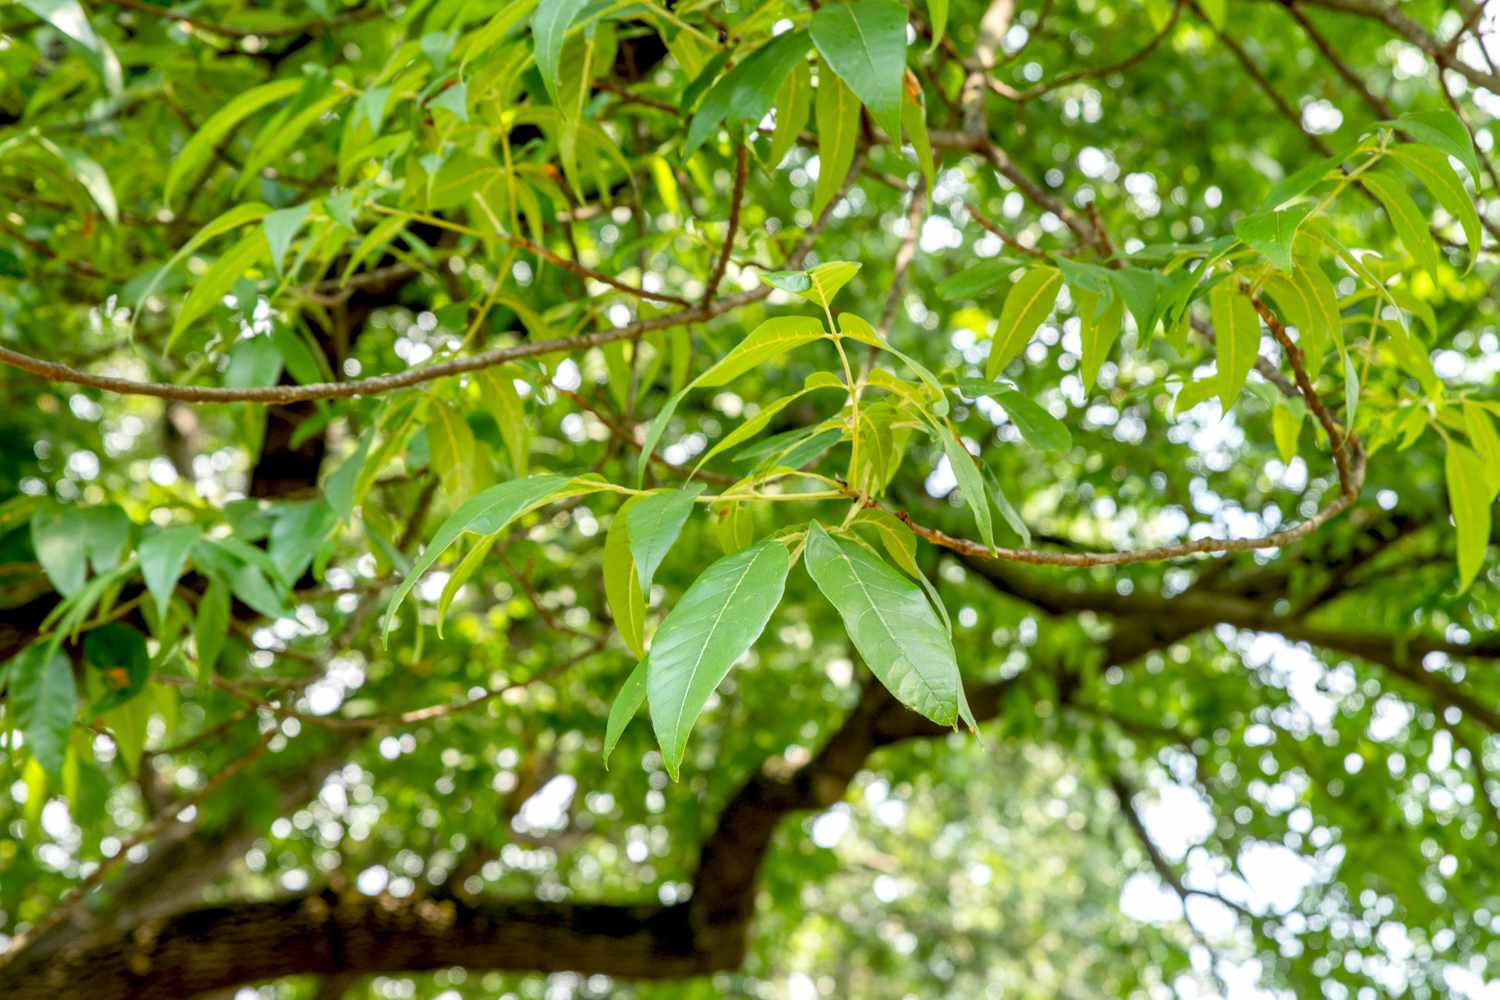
(914, 123)
(1445, 132)
(1270, 234)
(454, 100)
(1486, 443)
(211, 626)
(486, 514)
(1298, 183)
(825, 280)
(865, 44)
(1409, 223)
(793, 104)
(341, 489)
(1286, 425)
(836, 111)
(163, 556)
(716, 621)
(772, 339)
(890, 622)
(106, 535)
(59, 541)
(210, 134)
(451, 448)
(655, 522)
(622, 586)
(237, 216)
(1098, 333)
(745, 93)
(497, 390)
(976, 279)
(466, 568)
(937, 16)
(68, 17)
(549, 25)
(1141, 291)
(657, 428)
(1215, 11)
(1325, 301)
(210, 288)
(970, 481)
(1237, 335)
(299, 530)
(1431, 168)
(41, 697)
(626, 704)
(89, 175)
(1468, 496)
(1028, 303)
(1038, 428)
(281, 228)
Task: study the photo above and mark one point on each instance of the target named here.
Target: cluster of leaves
(453, 152)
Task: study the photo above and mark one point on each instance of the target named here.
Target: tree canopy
(673, 499)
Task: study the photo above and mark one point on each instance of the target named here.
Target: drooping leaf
(1038, 428)
(655, 522)
(209, 289)
(1271, 233)
(1445, 132)
(1028, 303)
(974, 281)
(281, 228)
(1468, 497)
(794, 100)
(712, 625)
(211, 625)
(60, 545)
(1486, 442)
(655, 430)
(1097, 334)
(1286, 425)
(864, 42)
(624, 708)
(836, 112)
(163, 556)
(970, 481)
(41, 698)
(622, 585)
(549, 26)
(1409, 223)
(746, 93)
(486, 514)
(69, 18)
(1430, 166)
(200, 148)
(1237, 337)
(890, 622)
(299, 530)
(914, 124)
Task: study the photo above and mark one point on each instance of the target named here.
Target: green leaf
(825, 280)
(119, 653)
(716, 621)
(253, 363)
(59, 541)
(1270, 234)
(626, 704)
(211, 287)
(1409, 223)
(281, 228)
(200, 148)
(1298, 183)
(657, 428)
(864, 42)
(1237, 335)
(1294, 299)
(299, 530)
(937, 16)
(1445, 132)
(106, 535)
(836, 111)
(793, 104)
(454, 100)
(746, 93)
(163, 556)
(655, 522)
(1486, 443)
(772, 339)
(1214, 11)
(1431, 168)
(1141, 292)
(451, 450)
(498, 393)
(467, 567)
(486, 514)
(89, 175)
(970, 481)
(1468, 496)
(1038, 428)
(974, 280)
(622, 586)
(129, 725)
(68, 17)
(1286, 425)
(549, 25)
(914, 123)
(234, 218)
(1325, 301)
(41, 698)
(890, 622)
(211, 626)
(1028, 303)
(1098, 333)
(341, 488)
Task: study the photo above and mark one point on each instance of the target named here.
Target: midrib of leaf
(869, 598)
(703, 650)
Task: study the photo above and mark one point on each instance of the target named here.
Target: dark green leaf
(864, 42)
